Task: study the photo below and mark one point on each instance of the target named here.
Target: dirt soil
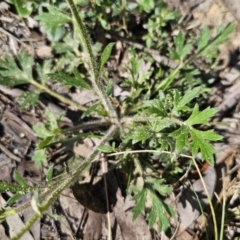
(85, 221)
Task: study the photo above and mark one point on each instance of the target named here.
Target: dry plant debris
(83, 209)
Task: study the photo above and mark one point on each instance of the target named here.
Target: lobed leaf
(188, 96)
(141, 134)
(160, 212)
(140, 199)
(39, 157)
(53, 18)
(201, 117)
(159, 125)
(200, 143)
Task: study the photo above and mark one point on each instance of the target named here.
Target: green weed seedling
(158, 117)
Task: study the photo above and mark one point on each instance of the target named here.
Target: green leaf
(200, 142)
(13, 199)
(157, 185)
(23, 8)
(55, 33)
(10, 73)
(105, 148)
(41, 131)
(159, 125)
(90, 109)
(69, 81)
(142, 133)
(40, 157)
(176, 99)
(185, 51)
(109, 88)
(19, 179)
(105, 55)
(203, 38)
(52, 120)
(208, 135)
(45, 142)
(189, 95)
(53, 18)
(8, 187)
(221, 37)
(201, 117)
(26, 62)
(159, 211)
(179, 42)
(155, 106)
(222, 34)
(82, 83)
(147, 5)
(29, 98)
(49, 174)
(181, 135)
(140, 199)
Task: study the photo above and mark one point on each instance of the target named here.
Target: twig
(10, 35)
(9, 154)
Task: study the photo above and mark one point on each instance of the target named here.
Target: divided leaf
(53, 18)
(201, 142)
(182, 49)
(201, 117)
(160, 212)
(159, 125)
(189, 95)
(140, 199)
(141, 134)
(10, 73)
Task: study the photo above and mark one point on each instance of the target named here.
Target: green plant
(156, 118)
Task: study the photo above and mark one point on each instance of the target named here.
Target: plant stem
(223, 206)
(56, 189)
(58, 96)
(26, 227)
(153, 118)
(94, 70)
(87, 125)
(209, 200)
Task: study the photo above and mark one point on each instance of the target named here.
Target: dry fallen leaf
(188, 205)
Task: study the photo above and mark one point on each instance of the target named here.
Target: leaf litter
(16, 124)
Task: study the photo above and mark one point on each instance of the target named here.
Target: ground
(88, 219)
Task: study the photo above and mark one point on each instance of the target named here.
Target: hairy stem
(94, 70)
(56, 189)
(26, 227)
(58, 96)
